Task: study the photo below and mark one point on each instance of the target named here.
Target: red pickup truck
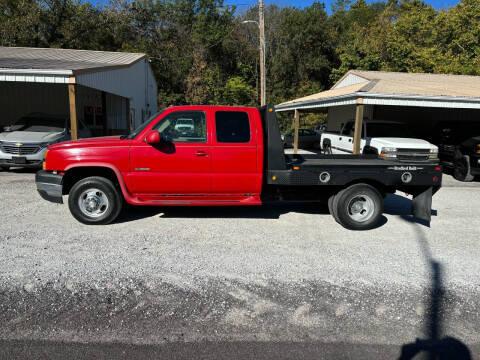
(218, 155)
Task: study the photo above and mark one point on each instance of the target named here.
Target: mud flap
(422, 205)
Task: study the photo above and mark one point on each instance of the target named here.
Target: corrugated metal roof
(419, 83)
(78, 61)
(328, 93)
(395, 86)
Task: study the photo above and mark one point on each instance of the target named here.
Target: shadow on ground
(434, 346)
(394, 205)
(268, 211)
(402, 206)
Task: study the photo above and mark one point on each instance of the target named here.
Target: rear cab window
(232, 127)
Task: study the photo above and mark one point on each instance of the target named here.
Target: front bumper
(49, 186)
(31, 164)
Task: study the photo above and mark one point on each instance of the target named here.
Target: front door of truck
(179, 167)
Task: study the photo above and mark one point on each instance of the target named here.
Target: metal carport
(117, 89)
(364, 91)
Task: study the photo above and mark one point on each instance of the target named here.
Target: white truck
(377, 139)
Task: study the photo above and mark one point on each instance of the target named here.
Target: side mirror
(152, 137)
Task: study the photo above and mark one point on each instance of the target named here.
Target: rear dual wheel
(358, 207)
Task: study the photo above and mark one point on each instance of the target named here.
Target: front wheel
(94, 201)
(461, 171)
(327, 147)
(358, 207)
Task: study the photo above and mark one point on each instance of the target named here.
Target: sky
(438, 4)
(244, 4)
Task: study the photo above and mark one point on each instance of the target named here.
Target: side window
(348, 129)
(184, 127)
(232, 127)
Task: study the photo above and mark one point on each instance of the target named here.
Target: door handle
(349, 140)
(340, 138)
(201, 153)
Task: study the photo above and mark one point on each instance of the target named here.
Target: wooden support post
(297, 125)
(73, 111)
(357, 136)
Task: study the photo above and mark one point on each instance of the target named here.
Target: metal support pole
(297, 125)
(357, 136)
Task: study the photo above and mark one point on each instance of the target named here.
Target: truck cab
(231, 156)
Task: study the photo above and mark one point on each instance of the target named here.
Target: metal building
(421, 100)
(111, 92)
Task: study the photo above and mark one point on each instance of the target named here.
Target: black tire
(330, 203)
(327, 147)
(363, 218)
(461, 171)
(106, 192)
(331, 207)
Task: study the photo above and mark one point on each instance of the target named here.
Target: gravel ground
(265, 275)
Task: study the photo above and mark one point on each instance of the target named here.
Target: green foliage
(238, 92)
(202, 53)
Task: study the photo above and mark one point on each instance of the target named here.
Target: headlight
(389, 149)
(389, 152)
(433, 154)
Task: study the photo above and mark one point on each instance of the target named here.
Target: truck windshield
(142, 126)
(388, 130)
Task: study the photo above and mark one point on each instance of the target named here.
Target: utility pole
(261, 26)
(262, 53)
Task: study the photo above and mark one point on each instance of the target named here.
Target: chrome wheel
(361, 208)
(93, 203)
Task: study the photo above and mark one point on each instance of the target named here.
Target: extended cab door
(236, 168)
(344, 141)
(181, 166)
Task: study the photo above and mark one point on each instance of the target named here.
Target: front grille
(413, 154)
(416, 151)
(414, 157)
(27, 149)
